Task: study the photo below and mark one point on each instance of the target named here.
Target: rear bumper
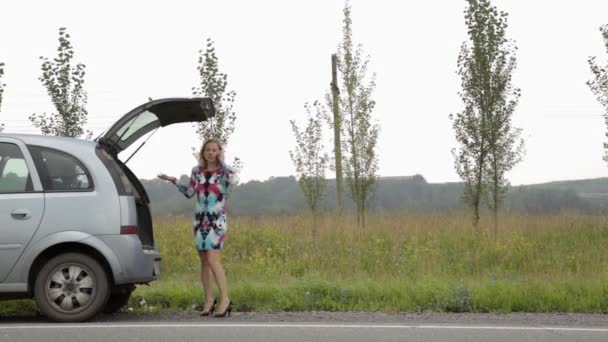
(136, 265)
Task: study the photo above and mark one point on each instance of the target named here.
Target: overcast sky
(277, 57)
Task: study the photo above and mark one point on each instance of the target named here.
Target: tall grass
(398, 262)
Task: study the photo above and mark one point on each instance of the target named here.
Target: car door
(21, 202)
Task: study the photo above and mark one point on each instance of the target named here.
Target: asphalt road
(314, 326)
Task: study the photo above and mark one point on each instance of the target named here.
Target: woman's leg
(213, 258)
(207, 279)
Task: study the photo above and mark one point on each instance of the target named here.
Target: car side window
(60, 171)
(14, 174)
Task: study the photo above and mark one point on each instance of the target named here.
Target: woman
(210, 181)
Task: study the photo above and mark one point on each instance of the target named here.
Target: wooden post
(337, 143)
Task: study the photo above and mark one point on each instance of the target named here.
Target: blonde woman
(209, 181)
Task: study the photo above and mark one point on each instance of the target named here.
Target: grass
(398, 262)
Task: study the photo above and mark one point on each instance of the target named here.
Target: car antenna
(142, 144)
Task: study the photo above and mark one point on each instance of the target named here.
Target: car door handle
(21, 214)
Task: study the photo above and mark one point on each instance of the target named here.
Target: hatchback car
(76, 232)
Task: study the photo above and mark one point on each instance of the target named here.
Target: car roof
(62, 143)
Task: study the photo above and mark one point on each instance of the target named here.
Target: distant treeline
(281, 195)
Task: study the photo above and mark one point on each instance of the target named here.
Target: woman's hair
(201, 154)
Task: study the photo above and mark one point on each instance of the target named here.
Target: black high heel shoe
(226, 312)
(210, 312)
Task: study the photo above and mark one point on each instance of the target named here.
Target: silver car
(76, 232)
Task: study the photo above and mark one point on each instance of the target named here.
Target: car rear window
(60, 171)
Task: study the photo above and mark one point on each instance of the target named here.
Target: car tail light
(128, 230)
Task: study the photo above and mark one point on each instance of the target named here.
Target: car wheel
(71, 287)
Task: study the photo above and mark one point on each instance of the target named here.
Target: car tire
(71, 287)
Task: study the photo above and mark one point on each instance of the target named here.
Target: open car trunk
(145, 229)
(130, 128)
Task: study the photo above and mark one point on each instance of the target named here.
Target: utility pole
(337, 122)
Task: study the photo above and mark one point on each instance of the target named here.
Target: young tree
(505, 145)
(64, 84)
(213, 84)
(2, 85)
(599, 83)
(358, 130)
(309, 158)
(488, 145)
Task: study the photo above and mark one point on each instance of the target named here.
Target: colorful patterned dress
(210, 188)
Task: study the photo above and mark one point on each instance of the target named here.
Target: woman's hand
(167, 178)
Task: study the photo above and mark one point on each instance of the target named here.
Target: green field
(408, 262)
